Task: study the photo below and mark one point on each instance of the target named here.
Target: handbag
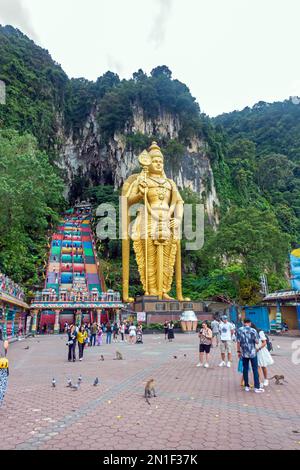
(3, 363)
(69, 343)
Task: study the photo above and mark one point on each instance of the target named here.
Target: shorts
(216, 335)
(205, 348)
(226, 347)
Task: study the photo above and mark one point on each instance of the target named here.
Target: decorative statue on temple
(156, 229)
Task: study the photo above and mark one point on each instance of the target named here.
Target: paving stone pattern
(195, 409)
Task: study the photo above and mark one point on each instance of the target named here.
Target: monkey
(149, 389)
(279, 379)
(118, 357)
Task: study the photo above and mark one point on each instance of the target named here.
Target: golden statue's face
(157, 166)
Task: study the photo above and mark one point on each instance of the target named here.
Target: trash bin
(189, 321)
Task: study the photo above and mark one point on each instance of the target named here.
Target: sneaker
(266, 383)
(80, 359)
(222, 364)
(259, 390)
(247, 389)
(199, 365)
(262, 385)
(206, 366)
(228, 365)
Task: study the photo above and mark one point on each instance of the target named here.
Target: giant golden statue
(156, 230)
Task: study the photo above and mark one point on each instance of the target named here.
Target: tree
(139, 76)
(161, 71)
(31, 197)
(253, 238)
(274, 171)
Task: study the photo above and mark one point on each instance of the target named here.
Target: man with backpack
(247, 341)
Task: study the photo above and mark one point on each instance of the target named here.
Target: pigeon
(101, 358)
(75, 387)
(80, 379)
(53, 383)
(185, 355)
(96, 382)
(69, 383)
(26, 349)
(175, 357)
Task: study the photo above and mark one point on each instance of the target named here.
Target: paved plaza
(195, 409)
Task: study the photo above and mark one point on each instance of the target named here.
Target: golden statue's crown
(155, 151)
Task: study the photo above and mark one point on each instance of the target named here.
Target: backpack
(269, 343)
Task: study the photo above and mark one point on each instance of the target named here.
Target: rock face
(90, 158)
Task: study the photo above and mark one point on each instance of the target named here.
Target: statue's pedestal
(159, 311)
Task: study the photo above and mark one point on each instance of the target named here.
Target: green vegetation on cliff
(35, 87)
(30, 203)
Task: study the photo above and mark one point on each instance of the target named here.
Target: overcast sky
(230, 53)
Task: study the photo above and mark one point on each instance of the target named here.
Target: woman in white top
(132, 333)
(264, 358)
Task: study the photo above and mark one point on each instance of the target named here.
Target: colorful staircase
(73, 266)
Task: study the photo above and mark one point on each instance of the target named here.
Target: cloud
(158, 31)
(114, 65)
(13, 12)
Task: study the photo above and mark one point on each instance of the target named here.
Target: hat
(224, 317)
(155, 151)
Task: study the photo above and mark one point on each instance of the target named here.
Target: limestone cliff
(90, 158)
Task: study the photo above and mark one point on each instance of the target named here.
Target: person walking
(205, 336)
(264, 358)
(171, 335)
(4, 373)
(115, 332)
(226, 331)
(81, 338)
(166, 329)
(88, 330)
(215, 327)
(247, 340)
(126, 331)
(99, 336)
(139, 335)
(94, 330)
(122, 331)
(132, 333)
(72, 335)
(108, 333)
(234, 332)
